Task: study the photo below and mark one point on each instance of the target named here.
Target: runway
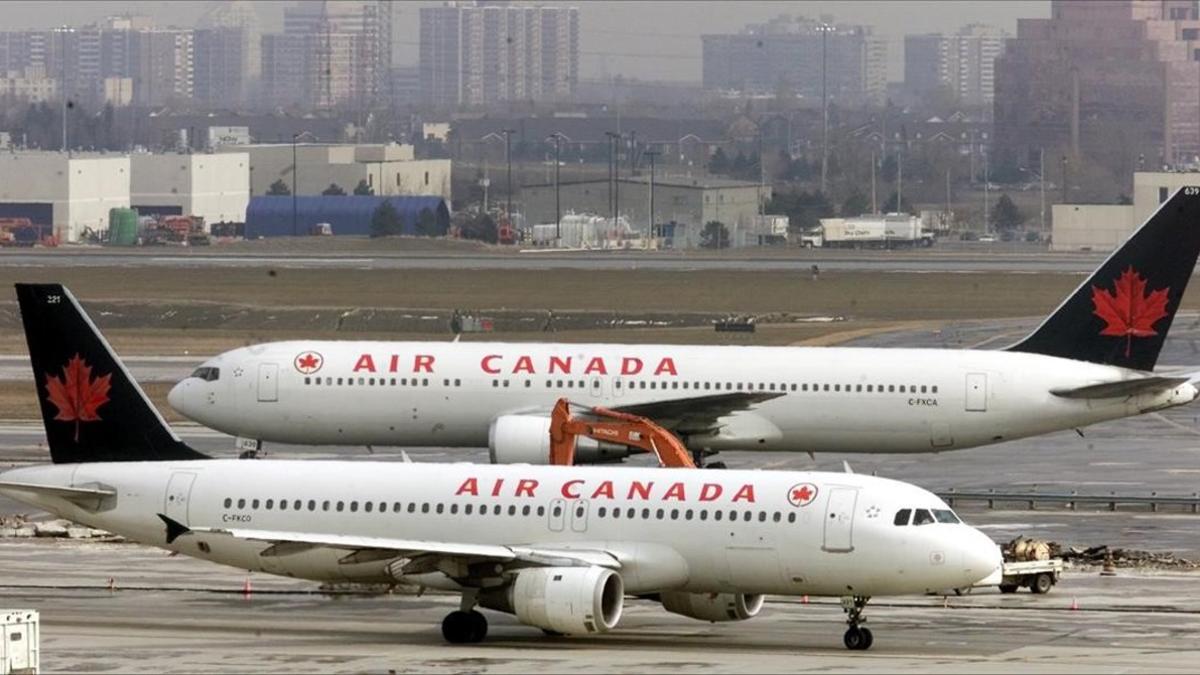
(954, 259)
(171, 614)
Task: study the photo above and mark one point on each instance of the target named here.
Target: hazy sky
(650, 40)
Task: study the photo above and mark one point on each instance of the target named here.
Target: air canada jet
(559, 547)
(1090, 361)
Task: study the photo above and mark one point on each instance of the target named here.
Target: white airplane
(1089, 361)
(559, 547)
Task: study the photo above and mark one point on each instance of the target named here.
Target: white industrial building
(215, 186)
(1103, 227)
(69, 192)
(388, 169)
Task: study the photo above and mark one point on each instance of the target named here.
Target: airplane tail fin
(1120, 316)
(92, 409)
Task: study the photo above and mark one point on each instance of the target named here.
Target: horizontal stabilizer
(1121, 388)
(70, 493)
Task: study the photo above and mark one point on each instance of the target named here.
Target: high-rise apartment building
(219, 67)
(351, 51)
(795, 54)
(477, 54)
(961, 66)
(1115, 83)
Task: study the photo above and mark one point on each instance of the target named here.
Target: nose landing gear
(857, 637)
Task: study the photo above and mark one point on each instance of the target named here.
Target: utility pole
(1042, 186)
(987, 220)
(824, 28)
(1064, 179)
(508, 161)
(612, 164)
(62, 83)
(295, 174)
(557, 137)
(946, 219)
(652, 227)
(874, 204)
(899, 177)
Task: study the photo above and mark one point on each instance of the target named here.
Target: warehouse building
(70, 193)
(387, 169)
(285, 216)
(682, 205)
(213, 186)
(1103, 227)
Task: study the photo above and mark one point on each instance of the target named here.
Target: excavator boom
(612, 426)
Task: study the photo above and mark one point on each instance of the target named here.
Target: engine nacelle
(568, 600)
(525, 439)
(713, 606)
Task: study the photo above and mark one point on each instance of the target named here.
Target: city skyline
(613, 35)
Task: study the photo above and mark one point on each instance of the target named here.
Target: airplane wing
(1122, 388)
(423, 552)
(697, 414)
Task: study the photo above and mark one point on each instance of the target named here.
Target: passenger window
(791, 517)
(601, 511)
(341, 506)
(857, 387)
(747, 516)
(658, 515)
(512, 510)
(412, 507)
(325, 505)
(496, 510)
(777, 517)
(557, 510)
(354, 507)
(922, 517)
(525, 510)
(297, 505)
(687, 515)
(934, 389)
(283, 505)
(228, 502)
(468, 509)
(922, 389)
(425, 507)
(396, 507)
(645, 514)
(383, 507)
(717, 514)
(674, 514)
(254, 504)
(902, 517)
(368, 507)
(762, 516)
(439, 507)
(541, 511)
(453, 508)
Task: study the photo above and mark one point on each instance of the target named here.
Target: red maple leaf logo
(77, 394)
(1129, 312)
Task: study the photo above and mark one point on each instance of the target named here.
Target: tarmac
(176, 614)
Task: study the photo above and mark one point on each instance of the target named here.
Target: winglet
(175, 529)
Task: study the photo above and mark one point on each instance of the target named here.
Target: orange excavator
(612, 426)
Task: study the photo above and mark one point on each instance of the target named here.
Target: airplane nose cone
(178, 397)
(981, 557)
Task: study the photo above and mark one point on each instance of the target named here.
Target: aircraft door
(976, 392)
(557, 515)
(268, 382)
(839, 520)
(579, 515)
(596, 387)
(179, 492)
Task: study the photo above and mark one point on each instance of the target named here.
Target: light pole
(62, 82)
(825, 30)
(557, 138)
(614, 161)
(296, 179)
(652, 154)
(508, 161)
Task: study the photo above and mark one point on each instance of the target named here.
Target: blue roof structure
(347, 214)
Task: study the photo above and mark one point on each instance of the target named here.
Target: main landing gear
(857, 637)
(465, 626)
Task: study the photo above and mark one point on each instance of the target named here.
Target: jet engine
(525, 439)
(713, 606)
(568, 600)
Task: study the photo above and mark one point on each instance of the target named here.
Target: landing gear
(461, 627)
(857, 637)
(465, 626)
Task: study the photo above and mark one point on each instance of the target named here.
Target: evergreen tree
(279, 189)
(718, 164)
(334, 190)
(386, 221)
(855, 204)
(362, 189)
(714, 235)
(1006, 215)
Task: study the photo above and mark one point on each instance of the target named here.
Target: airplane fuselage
(680, 530)
(830, 399)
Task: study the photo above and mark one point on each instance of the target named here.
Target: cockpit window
(945, 516)
(208, 374)
(923, 517)
(902, 517)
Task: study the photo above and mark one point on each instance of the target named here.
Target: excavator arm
(612, 426)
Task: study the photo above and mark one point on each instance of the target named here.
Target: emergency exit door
(268, 382)
(976, 392)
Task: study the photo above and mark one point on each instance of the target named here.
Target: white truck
(892, 230)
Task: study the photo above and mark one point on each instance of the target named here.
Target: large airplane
(557, 546)
(1090, 361)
